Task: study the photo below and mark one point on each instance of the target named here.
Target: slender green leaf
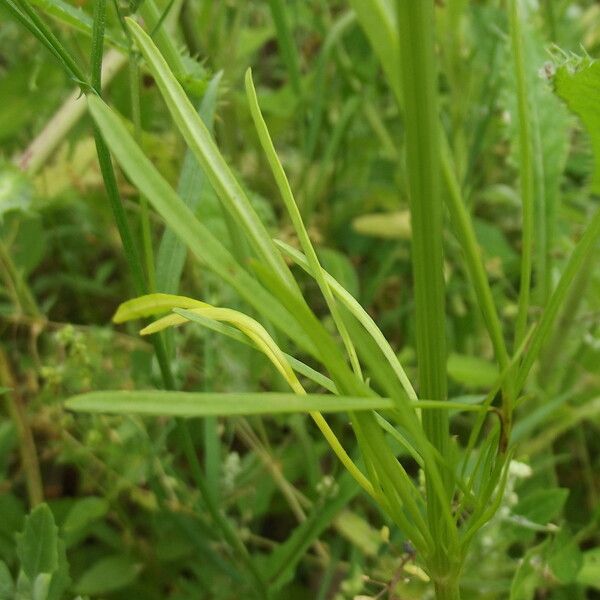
(526, 167)
(294, 213)
(361, 315)
(204, 148)
(172, 251)
(199, 404)
(206, 248)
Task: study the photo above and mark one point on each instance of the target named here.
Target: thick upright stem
(423, 164)
(422, 159)
(421, 121)
(447, 590)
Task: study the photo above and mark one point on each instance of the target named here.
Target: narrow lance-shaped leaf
(171, 255)
(207, 153)
(206, 248)
(201, 404)
(294, 213)
(358, 312)
(265, 343)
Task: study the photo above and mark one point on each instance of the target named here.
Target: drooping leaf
(153, 304)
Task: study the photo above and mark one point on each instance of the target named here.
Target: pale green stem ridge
(421, 120)
(526, 167)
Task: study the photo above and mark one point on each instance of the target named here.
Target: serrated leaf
(579, 86)
(60, 578)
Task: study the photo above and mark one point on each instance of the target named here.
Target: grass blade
(463, 226)
(172, 252)
(214, 165)
(202, 404)
(294, 213)
(287, 44)
(206, 248)
(526, 170)
(361, 315)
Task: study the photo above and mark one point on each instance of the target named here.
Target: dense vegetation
(361, 239)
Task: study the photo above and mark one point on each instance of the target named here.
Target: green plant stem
(27, 449)
(465, 233)
(447, 590)
(73, 108)
(422, 159)
(152, 18)
(526, 168)
(421, 121)
(147, 248)
(286, 42)
(30, 19)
